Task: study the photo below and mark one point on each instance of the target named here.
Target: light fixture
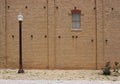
(20, 17)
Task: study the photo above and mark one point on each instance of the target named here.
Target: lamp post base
(20, 71)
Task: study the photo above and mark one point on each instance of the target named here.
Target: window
(75, 19)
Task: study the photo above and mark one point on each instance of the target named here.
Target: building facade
(60, 34)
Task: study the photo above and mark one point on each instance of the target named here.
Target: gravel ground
(57, 75)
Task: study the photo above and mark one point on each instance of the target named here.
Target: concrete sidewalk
(56, 82)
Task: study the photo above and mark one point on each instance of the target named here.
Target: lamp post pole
(20, 19)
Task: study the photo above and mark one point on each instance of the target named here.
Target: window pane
(76, 25)
(76, 17)
(73, 24)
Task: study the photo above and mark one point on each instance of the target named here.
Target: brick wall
(100, 35)
(2, 35)
(75, 52)
(35, 41)
(111, 19)
(46, 20)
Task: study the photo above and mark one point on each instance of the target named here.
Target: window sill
(76, 30)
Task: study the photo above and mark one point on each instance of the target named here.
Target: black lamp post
(20, 19)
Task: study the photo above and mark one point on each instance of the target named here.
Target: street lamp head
(20, 17)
